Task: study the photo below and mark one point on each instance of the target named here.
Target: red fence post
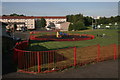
(74, 56)
(18, 59)
(98, 53)
(38, 58)
(115, 49)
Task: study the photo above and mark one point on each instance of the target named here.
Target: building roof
(30, 17)
(65, 26)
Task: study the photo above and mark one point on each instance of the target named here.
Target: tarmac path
(106, 69)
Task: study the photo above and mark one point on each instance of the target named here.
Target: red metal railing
(53, 60)
(88, 37)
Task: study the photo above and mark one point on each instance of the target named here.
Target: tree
(68, 18)
(15, 27)
(42, 22)
(71, 27)
(79, 17)
(4, 15)
(75, 18)
(77, 22)
(104, 20)
(14, 14)
(37, 23)
(79, 26)
(87, 21)
(83, 21)
(21, 15)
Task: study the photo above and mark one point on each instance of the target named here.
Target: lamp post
(92, 22)
(96, 23)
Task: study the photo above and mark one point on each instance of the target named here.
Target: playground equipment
(60, 34)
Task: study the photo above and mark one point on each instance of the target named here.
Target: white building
(54, 19)
(20, 21)
(29, 21)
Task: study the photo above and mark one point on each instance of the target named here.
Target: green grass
(110, 38)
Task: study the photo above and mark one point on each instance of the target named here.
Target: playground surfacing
(63, 37)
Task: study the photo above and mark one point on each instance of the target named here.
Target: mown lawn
(111, 37)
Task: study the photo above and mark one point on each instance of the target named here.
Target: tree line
(14, 14)
(80, 22)
(104, 20)
(40, 23)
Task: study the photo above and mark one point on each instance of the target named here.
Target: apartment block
(29, 21)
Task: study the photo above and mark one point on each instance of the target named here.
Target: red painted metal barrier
(98, 53)
(115, 51)
(53, 60)
(36, 37)
(74, 56)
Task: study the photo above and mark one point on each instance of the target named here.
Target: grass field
(111, 37)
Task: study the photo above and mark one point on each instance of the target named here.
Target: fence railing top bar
(18, 44)
(42, 51)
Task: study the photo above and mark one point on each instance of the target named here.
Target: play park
(49, 51)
